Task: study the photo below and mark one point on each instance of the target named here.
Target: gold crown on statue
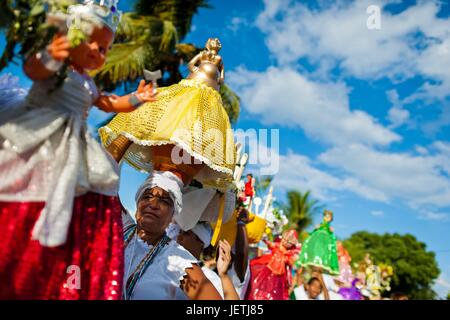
(97, 11)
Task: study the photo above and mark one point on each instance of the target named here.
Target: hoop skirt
(319, 250)
(188, 114)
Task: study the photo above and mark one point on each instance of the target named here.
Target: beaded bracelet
(47, 60)
(134, 101)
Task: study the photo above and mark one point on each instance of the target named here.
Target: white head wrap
(204, 232)
(167, 181)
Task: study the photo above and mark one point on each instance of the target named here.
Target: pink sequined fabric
(88, 266)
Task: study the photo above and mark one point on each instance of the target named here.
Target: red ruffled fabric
(270, 275)
(94, 251)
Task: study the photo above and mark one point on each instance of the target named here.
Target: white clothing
(332, 287)
(215, 280)
(300, 294)
(241, 287)
(161, 280)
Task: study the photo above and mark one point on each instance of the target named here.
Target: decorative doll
(60, 218)
(353, 292)
(271, 274)
(186, 131)
(346, 275)
(319, 249)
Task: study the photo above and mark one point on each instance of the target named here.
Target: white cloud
(412, 42)
(321, 109)
(396, 115)
(418, 180)
(442, 285)
(436, 216)
(236, 23)
(298, 172)
(434, 126)
(377, 213)
(421, 150)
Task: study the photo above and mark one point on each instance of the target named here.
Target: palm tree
(262, 184)
(300, 209)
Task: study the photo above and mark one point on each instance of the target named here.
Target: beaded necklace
(145, 262)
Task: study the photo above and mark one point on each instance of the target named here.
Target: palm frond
(300, 209)
(169, 37)
(179, 12)
(125, 62)
(186, 51)
(262, 184)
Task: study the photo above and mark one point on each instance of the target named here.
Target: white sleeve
(179, 259)
(300, 293)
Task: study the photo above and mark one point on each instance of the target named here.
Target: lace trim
(332, 272)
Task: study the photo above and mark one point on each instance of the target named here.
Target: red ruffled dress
(60, 218)
(270, 274)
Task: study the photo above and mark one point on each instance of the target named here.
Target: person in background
(399, 296)
(156, 267)
(314, 289)
(240, 271)
(198, 239)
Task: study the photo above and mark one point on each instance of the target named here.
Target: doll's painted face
(289, 239)
(91, 54)
(328, 216)
(213, 44)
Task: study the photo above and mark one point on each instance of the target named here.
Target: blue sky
(363, 115)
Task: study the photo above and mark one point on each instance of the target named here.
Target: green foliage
(448, 295)
(300, 210)
(262, 184)
(415, 268)
(180, 12)
(24, 24)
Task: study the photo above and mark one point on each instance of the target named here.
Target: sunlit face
(314, 289)
(155, 210)
(91, 54)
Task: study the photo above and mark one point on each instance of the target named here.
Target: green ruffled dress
(319, 250)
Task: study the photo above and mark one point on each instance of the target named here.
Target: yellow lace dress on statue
(189, 115)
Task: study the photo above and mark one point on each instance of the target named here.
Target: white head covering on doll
(99, 12)
(167, 181)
